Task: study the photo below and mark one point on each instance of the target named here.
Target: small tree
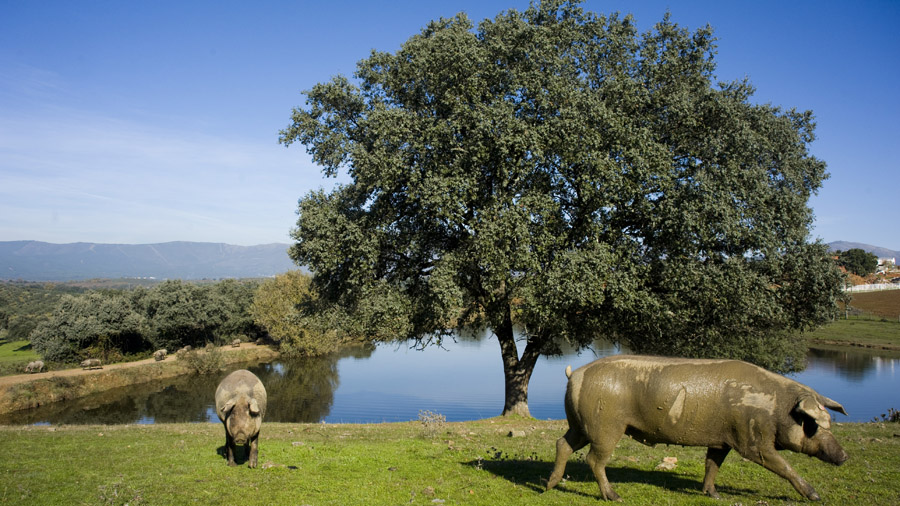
(277, 307)
(552, 168)
(858, 261)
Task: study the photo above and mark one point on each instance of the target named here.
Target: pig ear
(809, 406)
(834, 405)
(254, 407)
(228, 407)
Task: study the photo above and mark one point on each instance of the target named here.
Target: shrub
(207, 361)
(432, 423)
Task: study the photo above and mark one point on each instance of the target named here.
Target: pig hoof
(713, 493)
(612, 496)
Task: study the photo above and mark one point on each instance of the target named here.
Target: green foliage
(858, 261)
(90, 326)
(203, 361)
(235, 297)
(24, 305)
(282, 306)
(181, 313)
(555, 167)
(114, 324)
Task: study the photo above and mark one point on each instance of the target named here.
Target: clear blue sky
(144, 122)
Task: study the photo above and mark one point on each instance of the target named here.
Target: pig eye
(809, 427)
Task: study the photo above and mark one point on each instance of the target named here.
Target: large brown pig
(241, 405)
(719, 404)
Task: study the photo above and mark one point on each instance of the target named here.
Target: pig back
(670, 400)
(236, 384)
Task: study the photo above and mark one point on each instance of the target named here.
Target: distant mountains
(875, 250)
(41, 261)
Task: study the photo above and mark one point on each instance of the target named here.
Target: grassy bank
(861, 332)
(55, 386)
(405, 463)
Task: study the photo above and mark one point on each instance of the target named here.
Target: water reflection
(462, 380)
(853, 365)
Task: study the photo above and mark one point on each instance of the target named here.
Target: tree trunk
(516, 371)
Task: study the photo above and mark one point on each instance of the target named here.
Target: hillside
(41, 261)
(875, 250)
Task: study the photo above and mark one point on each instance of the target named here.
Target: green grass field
(16, 351)
(384, 464)
(15, 355)
(866, 332)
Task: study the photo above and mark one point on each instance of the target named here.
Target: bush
(284, 307)
(892, 416)
(432, 423)
(206, 361)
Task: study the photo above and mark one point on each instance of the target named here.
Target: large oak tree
(556, 170)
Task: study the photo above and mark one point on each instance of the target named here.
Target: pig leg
(714, 459)
(229, 448)
(572, 441)
(773, 461)
(597, 458)
(254, 450)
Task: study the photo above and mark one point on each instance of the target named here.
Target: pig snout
(835, 455)
(826, 448)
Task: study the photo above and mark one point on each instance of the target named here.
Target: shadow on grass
(534, 475)
(241, 454)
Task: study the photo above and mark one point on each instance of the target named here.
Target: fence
(873, 288)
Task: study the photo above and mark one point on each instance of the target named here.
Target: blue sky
(145, 122)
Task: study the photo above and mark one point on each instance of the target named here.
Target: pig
(36, 366)
(719, 404)
(160, 354)
(241, 406)
(91, 363)
(236, 343)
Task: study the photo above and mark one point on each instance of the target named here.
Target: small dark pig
(160, 354)
(719, 404)
(241, 405)
(91, 363)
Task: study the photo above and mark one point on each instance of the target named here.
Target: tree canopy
(278, 308)
(556, 170)
(858, 261)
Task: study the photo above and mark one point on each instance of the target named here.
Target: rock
(428, 491)
(668, 463)
(516, 433)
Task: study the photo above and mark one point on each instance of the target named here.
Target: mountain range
(41, 261)
(875, 250)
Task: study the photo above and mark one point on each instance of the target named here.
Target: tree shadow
(534, 475)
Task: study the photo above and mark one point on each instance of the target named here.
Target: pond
(463, 380)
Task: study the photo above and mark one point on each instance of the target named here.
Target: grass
(862, 332)
(467, 463)
(16, 351)
(15, 355)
